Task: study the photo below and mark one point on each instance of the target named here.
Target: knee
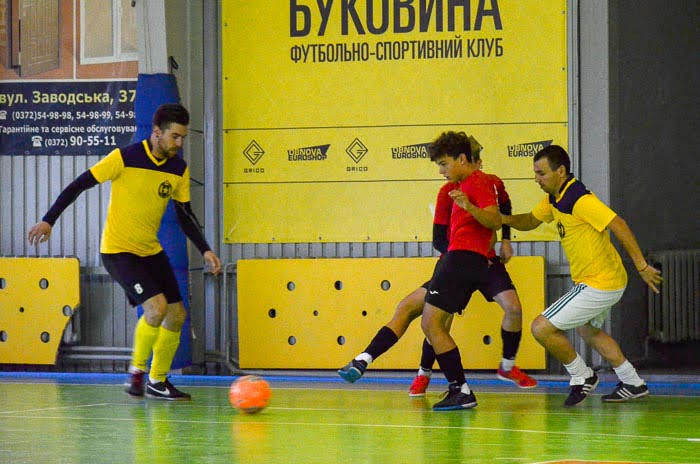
(540, 327)
(513, 309)
(155, 309)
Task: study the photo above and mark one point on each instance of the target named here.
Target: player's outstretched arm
(41, 231)
(193, 229)
(625, 236)
(525, 221)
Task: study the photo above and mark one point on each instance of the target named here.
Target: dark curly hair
(451, 144)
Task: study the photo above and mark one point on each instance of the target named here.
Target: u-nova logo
(317, 153)
(527, 149)
(165, 189)
(419, 150)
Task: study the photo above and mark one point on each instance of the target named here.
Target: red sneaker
(419, 385)
(135, 385)
(518, 377)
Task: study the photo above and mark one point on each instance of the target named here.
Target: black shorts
(497, 280)
(459, 275)
(143, 277)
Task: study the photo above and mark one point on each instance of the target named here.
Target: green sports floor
(86, 418)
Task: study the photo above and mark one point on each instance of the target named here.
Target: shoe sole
(593, 387)
(506, 379)
(167, 398)
(624, 400)
(457, 407)
(351, 375)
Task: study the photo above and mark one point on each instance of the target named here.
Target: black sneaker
(135, 386)
(353, 370)
(455, 399)
(579, 393)
(165, 391)
(625, 392)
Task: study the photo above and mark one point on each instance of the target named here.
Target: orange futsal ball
(250, 394)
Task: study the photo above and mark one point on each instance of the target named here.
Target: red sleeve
(501, 193)
(443, 205)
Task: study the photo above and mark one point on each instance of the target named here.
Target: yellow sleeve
(182, 191)
(593, 211)
(543, 211)
(109, 167)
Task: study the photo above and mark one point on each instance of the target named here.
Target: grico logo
(253, 152)
(356, 150)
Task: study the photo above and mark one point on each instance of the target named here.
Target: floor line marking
(57, 407)
(340, 424)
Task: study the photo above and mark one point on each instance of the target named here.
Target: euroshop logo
(419, 150)
(317, 153)
(356, 150)
(253, 152)
(528, 149)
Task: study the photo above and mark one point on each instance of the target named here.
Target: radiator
(674, 314)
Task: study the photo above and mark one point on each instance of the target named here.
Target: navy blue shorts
(143, 277)
(497, 280)
(459, 275)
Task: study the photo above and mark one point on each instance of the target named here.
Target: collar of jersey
(569, 182)
(155, 160)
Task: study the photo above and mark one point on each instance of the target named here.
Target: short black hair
(556, 156)
(169, 113)
(451, 144)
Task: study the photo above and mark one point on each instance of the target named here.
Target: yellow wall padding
(320, 313)
(37, 298)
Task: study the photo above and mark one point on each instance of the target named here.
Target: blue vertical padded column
(153, 90)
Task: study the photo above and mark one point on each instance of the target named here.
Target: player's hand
(461, 199)
(506, 251)
(651, 276)
(39, 233)
(212, 262)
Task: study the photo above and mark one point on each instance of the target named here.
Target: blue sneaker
(353, 370)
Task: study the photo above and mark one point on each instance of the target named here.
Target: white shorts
(581, 305)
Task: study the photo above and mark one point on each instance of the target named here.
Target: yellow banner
(329, 108)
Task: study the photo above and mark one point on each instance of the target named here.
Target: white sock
(578, 370)
(507, 364)
(425, 372)
(628, 374)
(366, 357)
(134, 369)
(465, 388)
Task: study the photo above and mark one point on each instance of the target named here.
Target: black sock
(385, 339)
(511, 342)
(427, 359)
(451, 364)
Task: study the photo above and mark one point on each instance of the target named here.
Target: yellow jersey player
(596, 269)
(145, 176)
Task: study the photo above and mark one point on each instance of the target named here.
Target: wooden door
(39, 36)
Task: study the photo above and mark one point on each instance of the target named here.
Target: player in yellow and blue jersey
(596, 269)
(145, 176)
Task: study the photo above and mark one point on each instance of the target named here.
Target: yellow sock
(163, 353)
(144, 337)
